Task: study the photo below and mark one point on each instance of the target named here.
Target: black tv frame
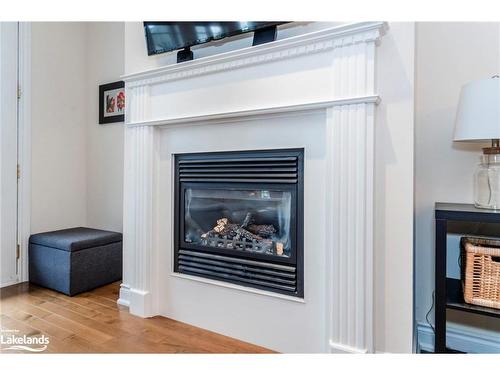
(264, 34)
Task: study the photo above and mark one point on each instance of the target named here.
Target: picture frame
(112, 102)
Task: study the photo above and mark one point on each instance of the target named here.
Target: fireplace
(239, 218)
(316, 92)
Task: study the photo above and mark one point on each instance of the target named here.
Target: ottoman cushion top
(74, 239)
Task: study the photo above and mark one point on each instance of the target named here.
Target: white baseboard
(345, 349)
(459, 337)
(124, 298)
(140, 303)
(9, 283)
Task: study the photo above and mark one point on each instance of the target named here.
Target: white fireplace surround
(318, 88)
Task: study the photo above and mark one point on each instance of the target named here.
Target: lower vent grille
(249, 272)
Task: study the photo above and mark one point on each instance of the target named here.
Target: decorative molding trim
(350, 210)
(24, 142)
(252, 113)
(139, 217)
(458, 337)
(138, 104)
(350, 160)
(319, 41)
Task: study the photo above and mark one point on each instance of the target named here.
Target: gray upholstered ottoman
(75, 260)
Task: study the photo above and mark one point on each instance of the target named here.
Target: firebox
(239, 218)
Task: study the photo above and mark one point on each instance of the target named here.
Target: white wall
(105, 45)
(394, 190)
(59, 126)
(77, 164)
(448, 56)
(394, 168)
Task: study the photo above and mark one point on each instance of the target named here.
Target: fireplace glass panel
(256, 221)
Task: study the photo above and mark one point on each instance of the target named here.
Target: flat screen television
(163, 37)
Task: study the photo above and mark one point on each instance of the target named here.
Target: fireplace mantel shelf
(252, 113)
(146, 89)
(317, 41)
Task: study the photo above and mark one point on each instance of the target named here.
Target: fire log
(263, 230)
(279, 248)
(225, 228)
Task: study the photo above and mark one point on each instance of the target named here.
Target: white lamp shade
(478, 113)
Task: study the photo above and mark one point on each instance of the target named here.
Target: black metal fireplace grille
(239, 218)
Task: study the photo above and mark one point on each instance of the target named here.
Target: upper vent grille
(264, 169)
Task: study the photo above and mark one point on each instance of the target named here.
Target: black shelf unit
(448, 290)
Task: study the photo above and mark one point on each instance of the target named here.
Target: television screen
(169, 36)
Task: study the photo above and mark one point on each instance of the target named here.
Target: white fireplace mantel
(330, 72)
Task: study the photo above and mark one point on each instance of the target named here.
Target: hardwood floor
(92, 322)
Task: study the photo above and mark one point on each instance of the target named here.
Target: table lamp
(478, 120)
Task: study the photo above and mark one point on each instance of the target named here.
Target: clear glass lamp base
(487, 182)
(484, 207)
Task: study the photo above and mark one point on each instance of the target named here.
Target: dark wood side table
(448, 291)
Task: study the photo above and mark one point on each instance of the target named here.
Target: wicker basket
(481, 271)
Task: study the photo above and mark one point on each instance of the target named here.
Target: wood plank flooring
(92, 322)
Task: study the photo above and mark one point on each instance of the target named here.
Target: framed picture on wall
(112, 102)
